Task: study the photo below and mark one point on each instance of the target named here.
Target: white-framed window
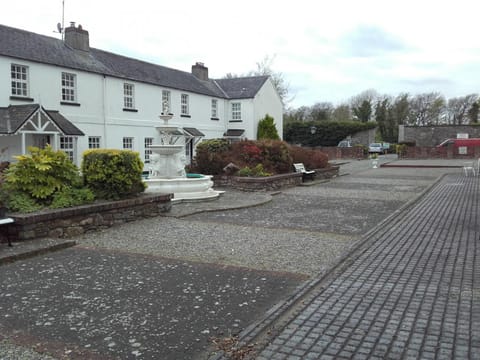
(66, 145)
(214, 108)
(128, 143)
(166, 102)
(148, 141)
(94, 142)
(19, 76)
(184, 105)
(128, 96)
(236, 112)
(69, 87)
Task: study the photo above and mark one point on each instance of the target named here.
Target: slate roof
(242, 87)
(25, 45)
(12, 118)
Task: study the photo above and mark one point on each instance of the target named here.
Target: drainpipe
(104, 110)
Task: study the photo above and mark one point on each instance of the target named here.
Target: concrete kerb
(192, 211)
(38, 248)
(259, 332)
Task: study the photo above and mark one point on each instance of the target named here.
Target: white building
(74, 97)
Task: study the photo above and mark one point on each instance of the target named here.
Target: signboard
(462, 136)
(462, 150)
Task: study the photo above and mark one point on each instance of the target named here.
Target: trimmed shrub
(311, 158)
(211, 156)
(113, 174)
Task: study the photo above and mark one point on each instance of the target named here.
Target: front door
(41, 141)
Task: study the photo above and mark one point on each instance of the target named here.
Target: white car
(375, 148)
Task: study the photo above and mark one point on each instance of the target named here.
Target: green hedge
(327, 133)
(113, 174)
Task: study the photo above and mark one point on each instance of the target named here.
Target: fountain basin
(186, 189)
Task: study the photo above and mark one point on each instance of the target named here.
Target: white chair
(469, 166)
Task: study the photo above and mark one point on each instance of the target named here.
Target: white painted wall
(101, 107)
(267, 101)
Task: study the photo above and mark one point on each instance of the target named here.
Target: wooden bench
(5, 221)
(306, 174)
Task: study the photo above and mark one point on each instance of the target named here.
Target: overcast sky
(326, 50)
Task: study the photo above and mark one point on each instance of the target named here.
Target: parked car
(375, 148)
(460, 142)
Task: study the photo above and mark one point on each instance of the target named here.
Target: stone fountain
(167, 167)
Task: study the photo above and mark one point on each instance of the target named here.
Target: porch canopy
(234, 134)
(34, 119)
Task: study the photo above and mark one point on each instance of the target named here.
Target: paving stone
(416, 279)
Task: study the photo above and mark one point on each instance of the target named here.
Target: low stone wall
(64, 223)
(449, 152)
(327, 173)
(335, 153)
(270, 183)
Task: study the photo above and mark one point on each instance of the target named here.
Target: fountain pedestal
(167, 168)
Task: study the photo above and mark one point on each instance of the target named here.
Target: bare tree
(457, 108)
(427, 109)
(321, 111)
(362, 105)
(264, 67)
(342, 113)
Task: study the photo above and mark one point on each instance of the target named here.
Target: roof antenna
(61, 26)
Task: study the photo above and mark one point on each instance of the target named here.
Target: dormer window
(19, 77)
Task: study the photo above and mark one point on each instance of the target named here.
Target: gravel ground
(295, 251)
(14, 352)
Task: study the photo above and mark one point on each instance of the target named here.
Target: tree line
(388, 112)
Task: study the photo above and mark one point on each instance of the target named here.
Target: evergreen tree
(266, 129)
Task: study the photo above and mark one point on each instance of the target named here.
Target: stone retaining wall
(270, 183)
(64, 223)
(434, 135)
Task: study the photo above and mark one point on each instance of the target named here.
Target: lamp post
(313, 130)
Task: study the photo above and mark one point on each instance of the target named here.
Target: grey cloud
(368, 41)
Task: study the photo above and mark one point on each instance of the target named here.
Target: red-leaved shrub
(311, 158)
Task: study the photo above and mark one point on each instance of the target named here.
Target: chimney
(77, 38)
(200, 71)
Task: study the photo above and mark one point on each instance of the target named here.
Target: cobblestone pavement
(412, 291)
